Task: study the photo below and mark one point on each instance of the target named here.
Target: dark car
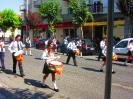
(87, 47)
(40, 44)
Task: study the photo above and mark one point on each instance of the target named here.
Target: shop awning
(120, 22)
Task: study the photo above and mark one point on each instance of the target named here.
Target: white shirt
(48, 57)
(130, 47)
(2, 49)
(46, 43)
(65, 41)
(72, 46)
(104, 51)
(28, 41)
(16, 46)
(102, 44)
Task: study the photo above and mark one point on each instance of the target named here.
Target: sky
(12, 4)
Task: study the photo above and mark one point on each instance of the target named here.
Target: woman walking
(48, 58)
(14, 48)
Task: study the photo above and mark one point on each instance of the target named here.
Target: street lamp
(24, 10)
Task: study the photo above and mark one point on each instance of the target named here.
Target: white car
(121, 48)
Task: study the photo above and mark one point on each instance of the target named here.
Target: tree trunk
(127, 27)
(81, 28)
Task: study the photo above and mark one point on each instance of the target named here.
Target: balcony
(37, 3)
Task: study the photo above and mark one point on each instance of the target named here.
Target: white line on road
(122, 86)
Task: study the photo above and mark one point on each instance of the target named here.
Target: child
(28, 46)
(50, 57)
(14, 47)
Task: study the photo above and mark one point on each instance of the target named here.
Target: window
(122, 44)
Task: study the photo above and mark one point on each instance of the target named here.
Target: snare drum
(77, 52)
(19, 56)
(56, 67)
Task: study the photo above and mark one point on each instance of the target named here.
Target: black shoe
(56, 90)
(113, 72)
(66, 63)
(22, 75)
(101, 70)
(76, 65)
(43, 86)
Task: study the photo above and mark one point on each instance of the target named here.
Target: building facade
(93, 29)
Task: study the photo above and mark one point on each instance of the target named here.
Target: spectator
(102, 45)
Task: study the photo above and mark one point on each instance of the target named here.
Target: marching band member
(28, 46)
(71, 52)
(2, 54)
(130, 52)
(49, 57)
(104, 52)
(14, 47)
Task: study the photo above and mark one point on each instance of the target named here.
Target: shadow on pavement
(8, 71)
(35, 83)
(90, 69)
(22, 94)
(38, 58)
(91, 59)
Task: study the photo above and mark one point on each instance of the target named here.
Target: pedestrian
(65, 43)
(104, 52)
(79, 46)
(102, 45)
(2, 55)
(28, 46)
(49, 56)
(15, 47)
(130, 53)
(71, 52)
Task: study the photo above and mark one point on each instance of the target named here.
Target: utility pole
(108, 78)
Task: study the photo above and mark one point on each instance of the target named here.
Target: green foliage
(80, 12)
(9, 19)
(50, 11)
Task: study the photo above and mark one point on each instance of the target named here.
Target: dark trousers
(100, 54)
(71, 54)
(2, 56)
(19, 65)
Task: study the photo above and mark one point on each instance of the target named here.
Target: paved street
(82, 82)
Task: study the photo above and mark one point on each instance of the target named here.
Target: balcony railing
(97, 9)
(37, 3)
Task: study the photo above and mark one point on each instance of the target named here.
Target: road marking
(122, 86)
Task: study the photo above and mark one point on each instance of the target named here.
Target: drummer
(14, 47)
(50, 57)
(71, 52)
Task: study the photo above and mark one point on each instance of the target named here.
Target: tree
(33, 20)
(50, 11)
(9, 19)
(126, 8)
(80, 13)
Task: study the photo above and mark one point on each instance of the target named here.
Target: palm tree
(126, 8)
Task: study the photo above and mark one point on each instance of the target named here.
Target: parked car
(121, 48)
(40, 44)
(88, 47)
